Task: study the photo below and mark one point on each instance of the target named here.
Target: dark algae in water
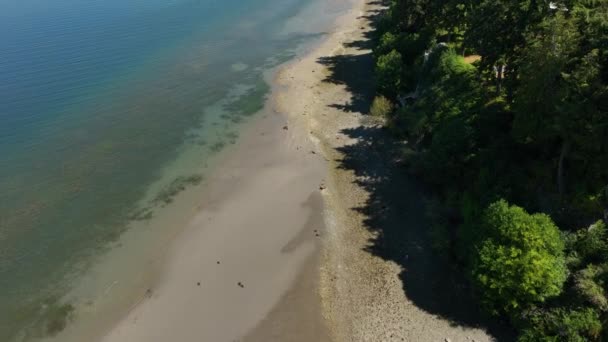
(179, 184)
(57, 317)
(49, 318)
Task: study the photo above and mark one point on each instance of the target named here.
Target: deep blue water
(95, 98)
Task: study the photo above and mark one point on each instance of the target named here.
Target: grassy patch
(381, 107)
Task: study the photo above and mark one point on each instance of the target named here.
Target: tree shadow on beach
(395, 210)
(354, 70)
(348, 70)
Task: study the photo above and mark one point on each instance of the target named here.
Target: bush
(381, 107)
(519, 260)
(387, 43)
(592, 244)
(589, 283)
(447, 89)
(449, 152)
(562, 325)
(388, 73)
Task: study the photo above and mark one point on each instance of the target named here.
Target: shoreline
(277, 247)
(252, 232)
(112, 290)
(221, 280)
(365, 296)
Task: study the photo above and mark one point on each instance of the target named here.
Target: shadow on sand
(395, 210)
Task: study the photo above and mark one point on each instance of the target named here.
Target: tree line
(504, 105)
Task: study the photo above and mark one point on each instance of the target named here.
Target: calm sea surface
(96, 98)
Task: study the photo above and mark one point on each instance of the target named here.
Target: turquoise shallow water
(96, 97)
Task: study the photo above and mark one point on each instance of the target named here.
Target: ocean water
(97, 98)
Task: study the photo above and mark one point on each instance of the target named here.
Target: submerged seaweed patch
(236, 119)
(251, 102)
(58, 317)
(52, 317)
(232, 137)
(142, 214)
(216, 147)
(179, 184)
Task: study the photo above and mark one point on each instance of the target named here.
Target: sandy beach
(258, 225)
(278, 249)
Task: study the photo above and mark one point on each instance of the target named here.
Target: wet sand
(243, 250)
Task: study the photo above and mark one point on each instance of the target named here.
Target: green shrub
(415, 123)
(447, 89)
(449, 152)
(388, 73)
(413, 45)
(519, 260)
(387, 43)
(591, 244)
(562, 325)
(590, 284)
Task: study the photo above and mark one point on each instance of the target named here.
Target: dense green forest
(504, 105)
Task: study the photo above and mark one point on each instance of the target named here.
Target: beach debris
(218, 262)
(198, 283)
(285, 128)
(313, 152)
(447, 340)
(240, 284)
(322, 187)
